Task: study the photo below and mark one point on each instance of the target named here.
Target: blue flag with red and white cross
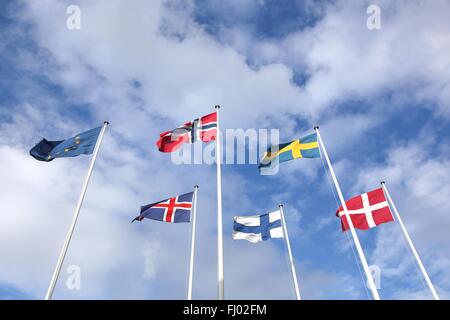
(172, 210)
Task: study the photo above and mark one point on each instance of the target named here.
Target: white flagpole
(221, 292)
(57, 271)
(411, 245)
(191, 261)
(370, 280)
(291, 260)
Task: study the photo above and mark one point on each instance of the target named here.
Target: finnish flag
(258, 228)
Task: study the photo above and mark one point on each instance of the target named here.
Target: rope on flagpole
(291, 259)
(411, 256)
(411, 245)
(362, 257)
(287, 261)
(62, 256)
(187, 277)
(413, 261)
(220, 276)
(191, 258)
(346, 233)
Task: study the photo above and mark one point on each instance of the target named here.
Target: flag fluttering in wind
(258, 228)
(366, 210)
(204, 129)
(83, 143)
(173, 210)
(87, 142)
(201, 129)
(306, 147)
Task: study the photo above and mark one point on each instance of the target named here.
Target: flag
(306, 147)
(201, 129)
(173, 210)
(83, 143)
(366, 210)
(258, 228)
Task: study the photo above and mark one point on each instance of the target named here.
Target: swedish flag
(82, 143)
(306, 147)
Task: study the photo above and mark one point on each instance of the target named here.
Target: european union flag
(83, 143)
(306, 147)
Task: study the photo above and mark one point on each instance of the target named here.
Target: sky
(381, 98)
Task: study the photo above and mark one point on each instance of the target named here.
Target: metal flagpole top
(280, 206)
(316, 127)
(217, 107)
(382, 182)
(196, 186)
(106, 122)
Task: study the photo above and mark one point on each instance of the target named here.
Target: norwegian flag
(201, 129)
(173, 210)
(366, 211)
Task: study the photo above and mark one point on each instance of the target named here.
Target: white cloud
(418, 185)
(179, 78)
(119, 259)
(342, 59)
(182, 72)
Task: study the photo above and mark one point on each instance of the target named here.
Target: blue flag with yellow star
(306, 147)
(83, 143)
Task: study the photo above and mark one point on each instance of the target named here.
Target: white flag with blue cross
(258, 228)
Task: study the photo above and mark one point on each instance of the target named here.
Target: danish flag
(201, 129)
(173, 210)
(366, 210)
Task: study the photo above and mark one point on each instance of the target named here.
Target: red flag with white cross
(201, 129)
(366, 210)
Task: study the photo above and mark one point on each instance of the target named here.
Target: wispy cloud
(150, 66)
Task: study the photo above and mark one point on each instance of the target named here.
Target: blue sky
(381, 99)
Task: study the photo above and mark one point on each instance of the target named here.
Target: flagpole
(411, 245)
(57, 271)
(291, 260)
(191, 261)
(219, 213)
(370, 280)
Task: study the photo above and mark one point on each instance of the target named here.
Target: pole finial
(280, 206)
(196, 186)
(382, 182)
(316, 127)
(106, 122)
(217, 106)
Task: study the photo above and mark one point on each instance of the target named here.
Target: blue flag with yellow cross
(306, 147)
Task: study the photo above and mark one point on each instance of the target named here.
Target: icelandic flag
(258, 228)
(201, 129)
(82, 143)
(172, 210)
